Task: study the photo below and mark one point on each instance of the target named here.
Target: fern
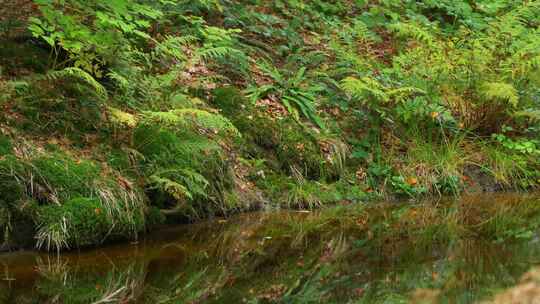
(193, 119)
(291, 92)
(220, 53)
(122, 118)
(182, 184)
(404, 93)
(411, 30)
(306, 103)
(500, 91)
(172, 46)
(81, 75)
(358, 88)
(530, 114)
(361, 31)
(174, 189)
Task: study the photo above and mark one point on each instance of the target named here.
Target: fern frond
(306, 103)
(359, 87)
(410, 30)
(172, 46)
(174, 189)
(79, 74)
(193, 119)
(255, 93)
(181, 184)
(122, 118)
(500, 91)
(530, 114)
(361, 31)
(219, 53)
(401, 94)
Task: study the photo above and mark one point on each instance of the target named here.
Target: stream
(335, 255)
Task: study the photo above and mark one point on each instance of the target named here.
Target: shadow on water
(445, 252)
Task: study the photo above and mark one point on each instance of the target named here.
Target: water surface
(375, 253)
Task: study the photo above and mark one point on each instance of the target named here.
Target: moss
(275, 186)
(256, 127)
(164, 146)
(231, 101)
(56, 182)
(293, 145)
(85, 222)
(118, 160)
(188, 167)
(66, 108)
(11, 190)
(301, 193)
(65, 176)
(298, 149)
(5, 145)
(349, 191)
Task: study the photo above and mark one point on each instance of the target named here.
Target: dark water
(351, 254)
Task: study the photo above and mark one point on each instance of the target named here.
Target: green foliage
(291, 92)
(5, 145)
(501, 91)
(197, 120)
(183, 157)
(54, 179)
(401, 186)
(78, 74)
(523, 145)
(77, 223)
(205, 103)
(92, 33)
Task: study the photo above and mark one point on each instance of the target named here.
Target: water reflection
(339, 255)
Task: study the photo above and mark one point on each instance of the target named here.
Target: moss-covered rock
(187, 162)
(43, 189)
(82, 222)
(62, 177)
(256, 127)
(78, 222)
(299, 151)
(296, 147)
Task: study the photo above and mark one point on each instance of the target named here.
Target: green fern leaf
(82, 75)
(500, 91)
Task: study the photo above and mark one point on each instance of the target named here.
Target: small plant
(406, 187)
(291, 91)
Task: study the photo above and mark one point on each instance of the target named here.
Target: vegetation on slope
(120, 114)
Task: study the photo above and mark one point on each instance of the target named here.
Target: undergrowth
(201, 108)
